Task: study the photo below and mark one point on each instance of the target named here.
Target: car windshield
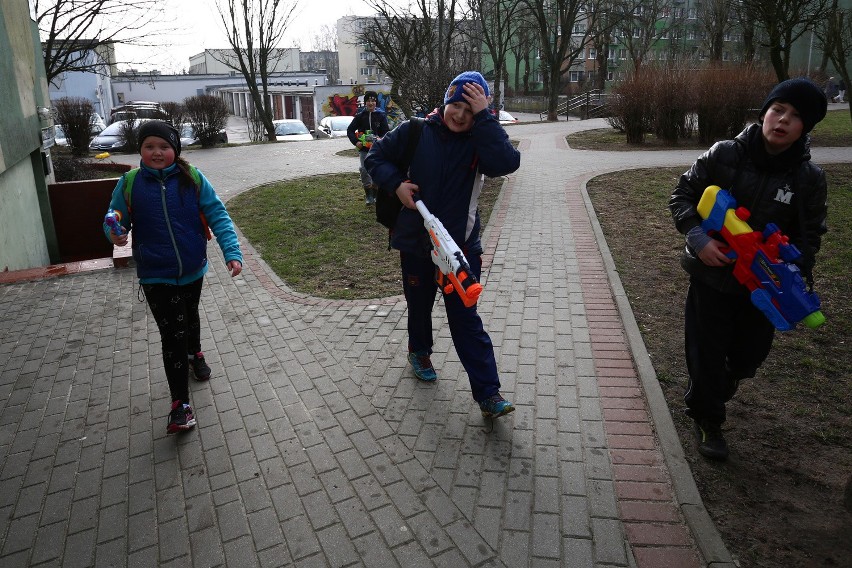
(113, 129)
(289, 128)
(58, 132)
(186, 131)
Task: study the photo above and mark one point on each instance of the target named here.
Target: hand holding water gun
(117, 233)
(365, 138)
(763, 262)
(453, 271)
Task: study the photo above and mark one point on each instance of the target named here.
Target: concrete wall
(27, 239)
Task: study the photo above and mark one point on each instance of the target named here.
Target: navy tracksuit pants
(472, 343)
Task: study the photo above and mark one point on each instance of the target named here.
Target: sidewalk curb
(707, 536)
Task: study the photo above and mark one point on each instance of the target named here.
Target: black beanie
(804, 95)
(162, 129)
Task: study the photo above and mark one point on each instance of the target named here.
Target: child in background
(768, 171)
(375, 121)
(168, 206)
(459, 143)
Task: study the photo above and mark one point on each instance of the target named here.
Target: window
(691, 13)
(690, 34)
(593, 53)
(575, 76)
(579, 28)
(726, 56)
(622, 54)
(637, 32)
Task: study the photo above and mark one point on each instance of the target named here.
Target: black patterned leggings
(175, 309)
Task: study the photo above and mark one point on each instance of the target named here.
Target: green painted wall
(26, 226)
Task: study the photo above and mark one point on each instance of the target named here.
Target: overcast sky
(205, 31)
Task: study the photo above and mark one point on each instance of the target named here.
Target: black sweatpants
(727, 340)
(175, 309)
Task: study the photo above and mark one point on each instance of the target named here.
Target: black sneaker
(711, 442)
(199, 367)
(180, 418)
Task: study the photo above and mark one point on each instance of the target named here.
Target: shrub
(74, 114)
(672, 101)
(176, 113)
(630, 111)
(208, 115)
(726, 98)
(130, 135)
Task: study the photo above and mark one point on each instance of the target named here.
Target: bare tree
(715, 19)
(421, 49)
(835, 39)
(602, 24)
(497, 27)
(526, 39)
(325, 39)
(254, 29)
(785, 21)
(645, 24)
(73, 31)
(74, 115)
(564, 34)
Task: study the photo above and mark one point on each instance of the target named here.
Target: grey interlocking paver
(316, 446)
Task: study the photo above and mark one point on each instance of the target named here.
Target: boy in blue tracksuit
(169, 205)
(460, 143)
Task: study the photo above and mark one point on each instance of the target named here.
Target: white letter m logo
(784, 196)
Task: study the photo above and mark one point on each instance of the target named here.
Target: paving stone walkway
(315, 444)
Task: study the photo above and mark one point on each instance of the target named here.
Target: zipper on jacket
(169, 227)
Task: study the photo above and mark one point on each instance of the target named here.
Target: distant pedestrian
(768, 169)
(169, 204)
(841, 91)
(831, 89)
(460, 142)
(368, 126)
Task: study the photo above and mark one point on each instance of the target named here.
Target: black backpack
(388, 205)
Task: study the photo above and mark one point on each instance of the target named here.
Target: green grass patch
(318, 236)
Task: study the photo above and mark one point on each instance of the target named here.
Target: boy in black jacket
(767, 169)
(373, 121)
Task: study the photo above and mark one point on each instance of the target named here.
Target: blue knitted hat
(454, 91)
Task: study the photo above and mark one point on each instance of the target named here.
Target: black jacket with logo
(376, 122)
(786, 189)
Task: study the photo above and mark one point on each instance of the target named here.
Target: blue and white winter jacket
(169, 240)
(447, 167)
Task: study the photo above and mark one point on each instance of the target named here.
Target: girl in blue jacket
(169, 206)
(460, 143)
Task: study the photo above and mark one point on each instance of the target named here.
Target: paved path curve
(316, 446)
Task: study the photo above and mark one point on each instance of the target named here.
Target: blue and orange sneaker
(422, 365)
(495, 406)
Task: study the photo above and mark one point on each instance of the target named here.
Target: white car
(188, 137)
(291, 129)
(334, 126)
(506, 118)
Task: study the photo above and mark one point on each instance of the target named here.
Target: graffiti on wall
(349, 103)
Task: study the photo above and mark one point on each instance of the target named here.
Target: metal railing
(591, 104)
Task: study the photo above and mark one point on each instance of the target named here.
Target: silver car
(111, 139)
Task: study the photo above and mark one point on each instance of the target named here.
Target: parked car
(333, 126)
(506, 118)
(291, 129)
(188, 137)
(60, 139)
(111, 139)
(137, 109)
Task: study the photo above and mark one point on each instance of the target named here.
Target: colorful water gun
(763, 262)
